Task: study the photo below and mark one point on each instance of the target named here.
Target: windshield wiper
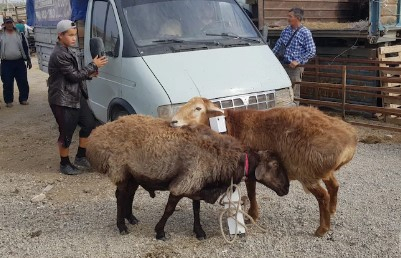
(233, 36)
(186, 41)
(168, 41)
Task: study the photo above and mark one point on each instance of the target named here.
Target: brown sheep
(311, 145)
(192, 161)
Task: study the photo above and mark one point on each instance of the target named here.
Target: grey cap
(65, 25)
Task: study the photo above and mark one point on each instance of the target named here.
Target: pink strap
(246, 167)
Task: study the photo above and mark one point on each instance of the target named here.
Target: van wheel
(117, 112)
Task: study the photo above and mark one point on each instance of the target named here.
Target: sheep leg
(131, 189)
(200, 234)
(251, 190)
(332, 187)
(122, 199)
(323, 199)
(170, 208)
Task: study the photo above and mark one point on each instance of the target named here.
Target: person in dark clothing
(68, 97)
(14, 52)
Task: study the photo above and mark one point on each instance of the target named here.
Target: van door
(104, 23)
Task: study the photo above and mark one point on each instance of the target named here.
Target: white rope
(233, 210)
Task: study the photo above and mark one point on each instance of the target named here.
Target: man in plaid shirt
(300, 49)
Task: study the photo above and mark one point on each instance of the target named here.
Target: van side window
(111, 38)
(98, 21)
(104, 26)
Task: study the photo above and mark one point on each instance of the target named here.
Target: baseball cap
(8, 19)
(65, 25)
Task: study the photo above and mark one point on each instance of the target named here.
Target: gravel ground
(76, 218)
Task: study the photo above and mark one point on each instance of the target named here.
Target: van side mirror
(96, 47)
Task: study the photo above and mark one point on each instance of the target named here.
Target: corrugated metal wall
(328, 11)
(275, 12)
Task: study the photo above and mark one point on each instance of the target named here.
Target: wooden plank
(392, 59)
(354, 107)
(395, 129)
(392, 85)
(358, 60)
(319, 102)
(389, 49)
(369, 88)
(390, 103)
(351, 87)
(315, 84)
(357, 77)
(392, 70)
(388, 99)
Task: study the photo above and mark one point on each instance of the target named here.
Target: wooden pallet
(391, 53)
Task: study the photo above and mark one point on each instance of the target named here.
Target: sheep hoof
(152, 194)
(200, 234)
(321, 231)
(161, 236)
(254, 214)
(133, 220)
(124, 232)
(201, 237)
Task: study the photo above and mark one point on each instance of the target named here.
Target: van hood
(217, 73)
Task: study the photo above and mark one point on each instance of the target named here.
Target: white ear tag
(218, 124)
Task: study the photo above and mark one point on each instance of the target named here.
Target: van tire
(117, 112)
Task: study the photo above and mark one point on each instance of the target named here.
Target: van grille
(257, 101)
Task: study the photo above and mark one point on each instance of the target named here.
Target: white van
(164, 52)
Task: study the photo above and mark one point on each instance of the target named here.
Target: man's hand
(100, 61)
(293, 64)
(28, 64)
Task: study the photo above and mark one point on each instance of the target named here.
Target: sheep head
(196, 111)
(269, 172)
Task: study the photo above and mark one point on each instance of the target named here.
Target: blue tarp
(40, 13)
(30, 12)
(78, 9)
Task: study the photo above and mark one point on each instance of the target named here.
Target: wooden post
(344, 85)
(316, 90)
(261, 14)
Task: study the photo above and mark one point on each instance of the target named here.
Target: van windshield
(158, 22)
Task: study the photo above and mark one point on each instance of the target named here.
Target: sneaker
(24, 102)
(82, 163)
(9, 105)
(69, 169)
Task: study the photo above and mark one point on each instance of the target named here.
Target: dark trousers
(68, 119)
(10, 70)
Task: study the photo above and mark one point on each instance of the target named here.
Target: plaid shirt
(301, 48)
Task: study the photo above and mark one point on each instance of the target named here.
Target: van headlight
(168, 111)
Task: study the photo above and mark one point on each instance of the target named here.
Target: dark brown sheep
(311, 145)
(192, 161)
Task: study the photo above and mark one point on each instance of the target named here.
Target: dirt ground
(77, 216)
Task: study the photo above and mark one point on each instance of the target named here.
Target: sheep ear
(211, 107)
